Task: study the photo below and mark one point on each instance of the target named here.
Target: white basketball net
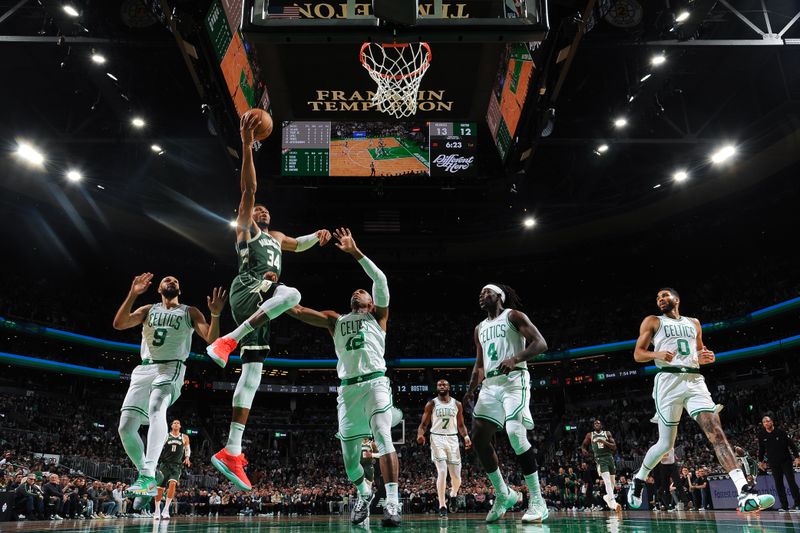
(398, 70)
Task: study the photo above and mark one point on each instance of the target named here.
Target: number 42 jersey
(167, 333)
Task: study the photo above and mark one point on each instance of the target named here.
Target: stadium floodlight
(98, 58)
(680, 176)
(30, 154)
(621, 122)
(683, 15)
(603, 148)
(113, 78)
(71, 11)
(645, 78)
(723, 154)
(658, 59)
(232, 223)
(138, 122)
(529, 222)
(74, 176)
(156, 148)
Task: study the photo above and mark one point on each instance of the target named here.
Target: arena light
(232, 223)
(657, 60)
(529, 222)
(657, 185)
(645, 78)
(620, 122)
(683, 15)
(723, 154)
(30, 154)
(113, 78)
(71, 11)
(137, 122)
(680, 176)
(98, 58)
(156, 148)
(603, 148)
(74, 176)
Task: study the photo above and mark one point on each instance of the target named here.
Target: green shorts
(606, 464)
(171, 471)
(253, 347)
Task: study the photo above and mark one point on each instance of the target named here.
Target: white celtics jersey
(167, 333)
(499, 340)
(677, 336)
(360, 344)
(443, 420)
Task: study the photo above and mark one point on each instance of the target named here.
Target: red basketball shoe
(232, 467)
(220, 349)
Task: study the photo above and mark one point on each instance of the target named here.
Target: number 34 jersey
(360, 345)
(167, 333)
(679, 337)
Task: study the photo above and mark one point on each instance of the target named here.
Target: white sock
(498, 483)
(607, 482)
(532, 480)
(737, 476)
(234, 445)
(364, 489)
(243, 329)
(166, 505)
(391, 493)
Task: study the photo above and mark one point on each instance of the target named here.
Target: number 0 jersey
(167, 333)
(677, 336)
(360, 345)
(443, 420)
(499, 340)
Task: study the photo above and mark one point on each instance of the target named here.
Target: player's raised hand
(324, 236)
(346, 242)
(665, 356)
(420, 439)
(247, 126)
(706, 356)
(141, 283)
(216, 302)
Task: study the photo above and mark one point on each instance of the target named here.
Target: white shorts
(506, 397)
(445, 448)
(145, 377)
(673, 393)
(357, 403)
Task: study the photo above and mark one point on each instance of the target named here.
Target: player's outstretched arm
(477, 369)
(426, 421)
(641, 353)
(247, 180)
(124, 319)
(380, 285)
(312, 317)
(216, 302)
(462, 427)
(301, 244)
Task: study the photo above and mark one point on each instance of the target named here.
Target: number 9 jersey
(167, 334)
(360, 345)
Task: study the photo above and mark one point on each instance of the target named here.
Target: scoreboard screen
(322, 148)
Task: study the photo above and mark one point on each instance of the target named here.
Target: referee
(780, 450)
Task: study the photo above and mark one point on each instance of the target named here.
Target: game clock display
(379, 149)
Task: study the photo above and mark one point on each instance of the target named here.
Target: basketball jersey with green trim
(598, 448)
(167, 333)
(173, 449)
(679, 337)
(499, 340)
(443, 420)
(360, 345)
(257, 256)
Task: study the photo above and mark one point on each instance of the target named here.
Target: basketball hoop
(397, 69)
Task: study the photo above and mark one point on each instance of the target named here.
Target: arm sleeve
(306, 241)
(187, 451)
(380, 285)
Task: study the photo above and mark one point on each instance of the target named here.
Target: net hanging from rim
(397, 69)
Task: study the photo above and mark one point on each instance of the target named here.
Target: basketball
(264, 128)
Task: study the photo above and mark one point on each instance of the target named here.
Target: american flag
(283, 12)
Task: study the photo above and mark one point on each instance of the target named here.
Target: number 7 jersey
(360, 344)
(167, 333)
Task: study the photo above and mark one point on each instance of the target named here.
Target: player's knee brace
(247, 385)
(381, 425)
(518, 436)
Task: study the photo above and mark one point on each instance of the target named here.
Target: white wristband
(306, 241)
(215, 316)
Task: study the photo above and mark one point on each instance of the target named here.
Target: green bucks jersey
(499, 340)
(257, 256)
(173, 449)
(167, 333)
(443, 418)
(599, 448)
(677, 336)
(360, 345)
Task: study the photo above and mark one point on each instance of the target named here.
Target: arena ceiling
(728, 78)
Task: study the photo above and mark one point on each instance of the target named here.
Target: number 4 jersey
(167, 333)
(360, 345)
(500, 340)
(679, 337)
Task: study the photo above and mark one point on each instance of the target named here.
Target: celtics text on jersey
(360, 344)
(499, 340)
(443, 418)
(678, 336)
(167, 333)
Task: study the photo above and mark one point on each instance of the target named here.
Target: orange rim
(423, 66)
